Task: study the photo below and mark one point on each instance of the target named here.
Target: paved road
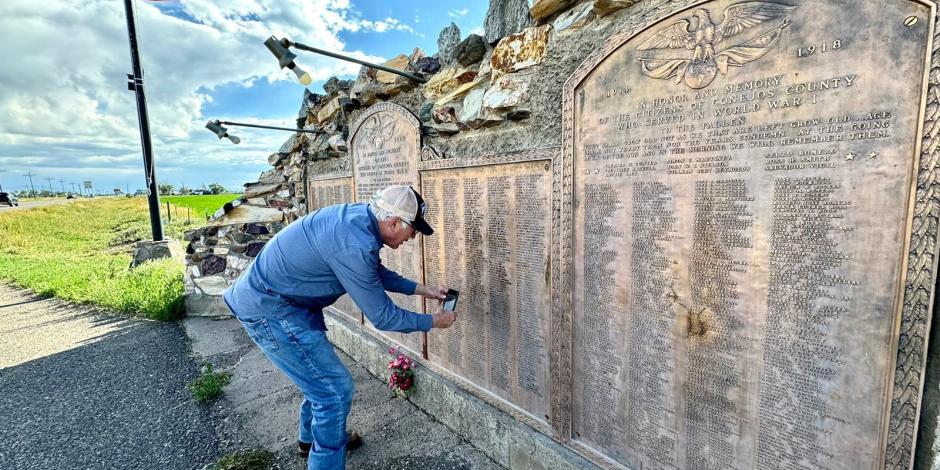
(81, 390)
(29, 204)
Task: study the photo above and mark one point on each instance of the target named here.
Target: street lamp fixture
(218, 130)
(285, 58)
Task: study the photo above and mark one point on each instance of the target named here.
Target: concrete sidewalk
(260, 404)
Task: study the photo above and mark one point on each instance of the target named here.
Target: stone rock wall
(215, 257)
(484, 95)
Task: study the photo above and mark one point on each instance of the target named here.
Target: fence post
(169, 218)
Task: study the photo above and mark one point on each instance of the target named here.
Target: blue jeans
(308, 359)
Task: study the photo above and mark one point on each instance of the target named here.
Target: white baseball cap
(405, 203)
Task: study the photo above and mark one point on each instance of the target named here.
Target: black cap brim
(419, 223)
(423, 227)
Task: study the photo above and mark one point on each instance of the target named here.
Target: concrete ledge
(501, 437)
(205, 305)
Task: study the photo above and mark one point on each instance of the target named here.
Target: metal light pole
(136, 84)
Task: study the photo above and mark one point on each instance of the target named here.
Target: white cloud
(66, 111)
(388, 24)
(458, 13)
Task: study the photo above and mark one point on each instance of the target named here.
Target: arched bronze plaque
(384, 144)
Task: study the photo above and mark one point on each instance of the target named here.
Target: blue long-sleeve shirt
(313, 261)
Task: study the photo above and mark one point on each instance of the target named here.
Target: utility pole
(51, 191)
(1, 186)
(136, 84)
(31, 188)
(62, 185)
(73, 185)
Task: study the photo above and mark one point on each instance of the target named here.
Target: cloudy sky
(66, 113)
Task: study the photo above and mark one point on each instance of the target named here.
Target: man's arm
(358, 271)
(394, 282)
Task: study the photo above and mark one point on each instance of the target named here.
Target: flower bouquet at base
(401, 379)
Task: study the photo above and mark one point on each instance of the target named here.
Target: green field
(200, 205)
(81, 252)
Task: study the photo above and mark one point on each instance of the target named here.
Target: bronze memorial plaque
(324, 193)
(744, 175)
(384, 144)
(327, 192)
(495, 251)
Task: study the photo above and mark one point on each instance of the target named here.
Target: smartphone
(450, 302)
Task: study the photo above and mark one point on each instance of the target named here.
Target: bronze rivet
(910, 21)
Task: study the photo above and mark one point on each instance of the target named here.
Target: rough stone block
(246, 213)
(447, 44)
(428, 65)
(334, 85)
(270, 177)
(292, 144)
(507, 92)
(237, 263)
(446, 82)
(443, 129)
(276, 158)
(444, 115)
(150, 250)
(425, 112)
(505, 17)
(542, 9)
(255, 190)
(574, 18)
(254, 248)
(471, 50)
(519, 51)
(211, 285)
(337, 143)
(473, 115)
(606, 7)
(329, 110)
(212, 264)
(459, 92)
(400, 62)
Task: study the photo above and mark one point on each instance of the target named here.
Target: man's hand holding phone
(444, 319)
(448, 314)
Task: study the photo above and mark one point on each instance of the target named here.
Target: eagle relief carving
(706, 41)
(378, 129)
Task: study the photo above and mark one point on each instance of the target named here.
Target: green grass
(200, 205)
(81, 252)
(208, 387)
(254, 459)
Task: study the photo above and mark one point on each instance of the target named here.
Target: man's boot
(353, 442)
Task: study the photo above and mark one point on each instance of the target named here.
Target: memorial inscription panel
(384, 146)
(743, 177)
(325, 193)
(495, 251)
